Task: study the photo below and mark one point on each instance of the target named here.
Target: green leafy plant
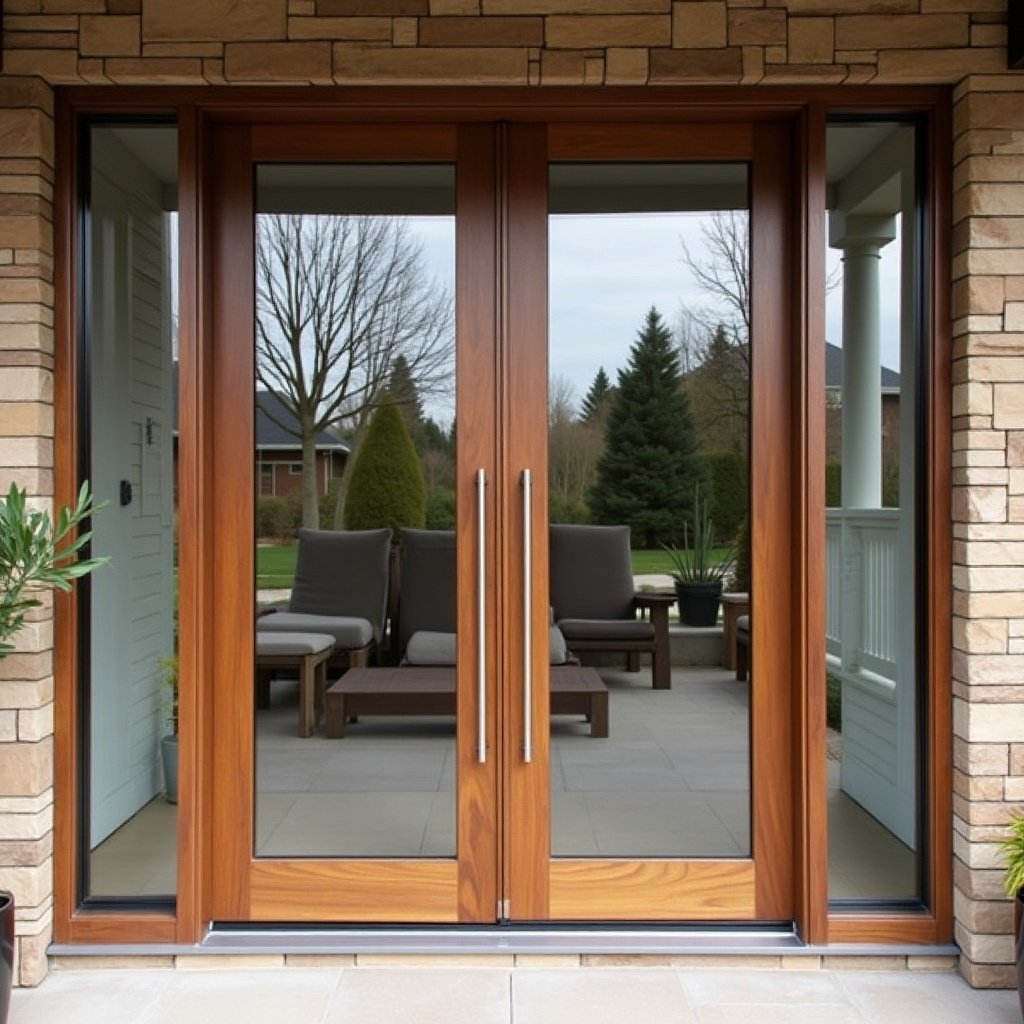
(169, 696)
(36, 553)
(695, 562)
(1012, 849)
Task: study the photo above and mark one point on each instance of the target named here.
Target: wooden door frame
(194, 108)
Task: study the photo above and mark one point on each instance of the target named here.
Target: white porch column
(861, 238)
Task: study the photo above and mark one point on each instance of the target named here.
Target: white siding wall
(132, 599)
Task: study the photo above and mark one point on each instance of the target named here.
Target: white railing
(862, 590)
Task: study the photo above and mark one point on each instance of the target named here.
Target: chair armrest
(657, 604)
(652, 599)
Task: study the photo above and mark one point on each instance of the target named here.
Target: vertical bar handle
(527, 619)
(481, 616)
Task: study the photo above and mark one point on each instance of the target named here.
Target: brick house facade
(960, 44)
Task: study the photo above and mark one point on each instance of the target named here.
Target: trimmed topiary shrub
(386, 487)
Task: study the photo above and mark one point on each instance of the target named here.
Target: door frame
(186, 920)
(502, 330)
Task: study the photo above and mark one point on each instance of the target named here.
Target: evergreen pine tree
(386, 485)
(402, 388)
(597, 399)
(646, 475)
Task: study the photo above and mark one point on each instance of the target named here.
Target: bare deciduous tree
(339, 299)
(714, 338)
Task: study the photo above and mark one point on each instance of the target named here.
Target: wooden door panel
(355, 891)
(657, 890)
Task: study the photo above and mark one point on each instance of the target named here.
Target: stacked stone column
(26, 457)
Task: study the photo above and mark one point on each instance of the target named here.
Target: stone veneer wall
(563, 42)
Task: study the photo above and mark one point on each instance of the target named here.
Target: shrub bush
(440, 509)
(833, 484)
(273, 517)
(727, 473)
(386, 487)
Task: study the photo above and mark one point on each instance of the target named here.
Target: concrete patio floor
(486, 994)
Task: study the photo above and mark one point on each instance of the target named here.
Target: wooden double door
(539, 233)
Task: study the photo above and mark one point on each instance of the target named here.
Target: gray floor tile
(600, 996)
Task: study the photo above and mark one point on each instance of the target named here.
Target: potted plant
(698, 575)
(169, 707)
(1012, 850)
(35, 553)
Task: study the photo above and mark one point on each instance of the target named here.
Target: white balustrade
(862, 591)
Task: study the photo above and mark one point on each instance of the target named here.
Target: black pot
(6, 953)
(698, 602)
(1018, 931)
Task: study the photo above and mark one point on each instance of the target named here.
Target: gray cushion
(430, 648)
(632, 630)
(591, 573)
(426, 647)
(556, 645)
(743, 626)
(274, 644)
(343, 573)
(426, 590)
(348, 633)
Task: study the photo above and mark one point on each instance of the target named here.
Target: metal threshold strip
(725, 941)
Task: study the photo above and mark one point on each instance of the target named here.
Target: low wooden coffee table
(419, 690)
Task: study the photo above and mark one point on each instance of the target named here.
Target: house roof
(834, 370)
(270, 435)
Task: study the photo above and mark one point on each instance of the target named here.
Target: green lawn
(275, 564)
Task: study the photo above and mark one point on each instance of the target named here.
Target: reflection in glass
(355, 475)
(871, 445)
(648, 424)
(132, 352)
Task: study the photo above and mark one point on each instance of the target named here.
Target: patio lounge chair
(595, 603)
(426, 601)
(341, 588)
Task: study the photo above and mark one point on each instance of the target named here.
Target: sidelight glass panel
(130, 420)
(873, 342)
(353, 406)
(648, 475)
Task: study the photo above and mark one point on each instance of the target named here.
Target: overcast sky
(606, 271)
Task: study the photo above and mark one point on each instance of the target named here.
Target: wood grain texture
(99, 926)
(230, 558)
(332, 141)
(476, 448)
(938, 432)
(882, 928)
(654, 890)
(65, 638)
(393, 891)
(775, 531)
(524, 414)
(676, 141)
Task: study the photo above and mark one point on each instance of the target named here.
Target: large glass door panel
(459, 753)
(354, 720)
(658, 731)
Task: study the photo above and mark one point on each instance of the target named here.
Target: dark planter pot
(698, 603)
(169, 750)
(1018, 931)
(6, 953)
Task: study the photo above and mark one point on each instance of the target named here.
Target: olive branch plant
(37, 553)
